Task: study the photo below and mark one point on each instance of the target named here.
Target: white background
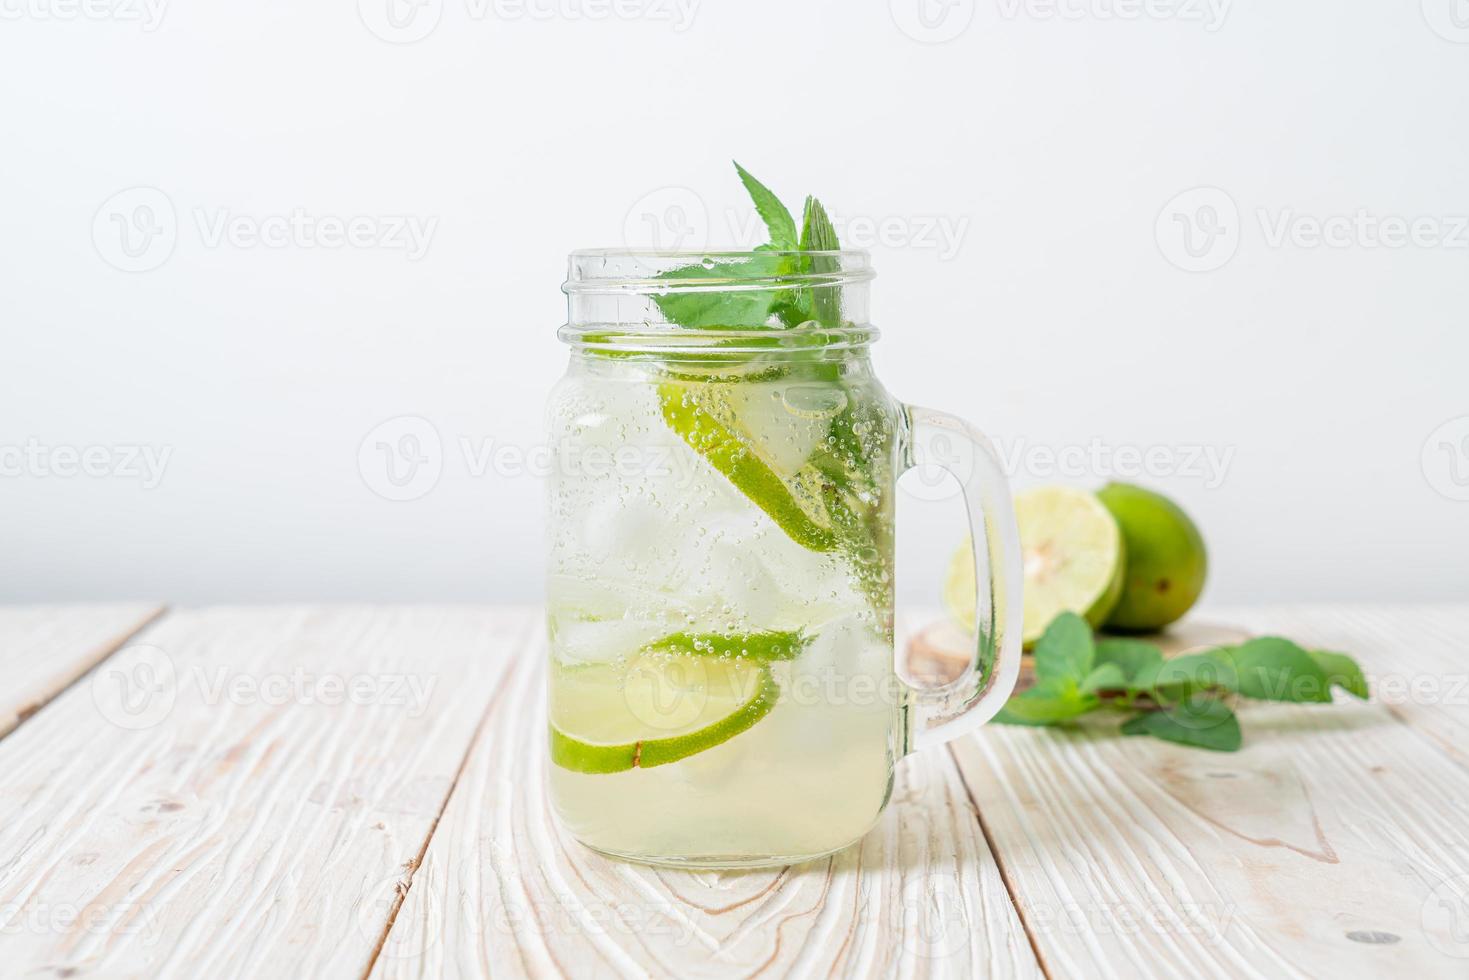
(1055, 140)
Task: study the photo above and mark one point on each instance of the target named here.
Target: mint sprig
(743, 309)
(1185, 700)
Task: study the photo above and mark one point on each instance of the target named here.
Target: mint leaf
(1134, 658)
(817, 232)
(1065, 650)
(1203, 723)
(793, 306)
(777, 216)
(1341, 671)
(733, 308)
(1182, 677)
(1274, 669)
(1105, 677)
(1046, 704)
(819, 235)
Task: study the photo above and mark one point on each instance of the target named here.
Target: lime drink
(720, 686)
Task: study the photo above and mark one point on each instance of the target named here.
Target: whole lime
(1166, 561)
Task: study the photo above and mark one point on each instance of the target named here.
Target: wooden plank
(45, 648)
(1333, 845)
(504, 891)
(241, 792)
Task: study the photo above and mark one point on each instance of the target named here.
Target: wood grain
(45, 648)
(1332, 845)
(503, 891)
(254, 805)
(177, 814)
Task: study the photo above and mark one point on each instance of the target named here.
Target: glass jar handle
(942, 713)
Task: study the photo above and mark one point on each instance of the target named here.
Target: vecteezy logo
(1445, 459)
(401, 21)
(1449, 19)
(1445, 917)
(135, 688)
(932, 21)
(668, 219)
(666, 693)
(1198, 230)
(401, 459)
(936, 923)
(135, 230)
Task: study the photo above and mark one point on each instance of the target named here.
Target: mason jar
(723, 689)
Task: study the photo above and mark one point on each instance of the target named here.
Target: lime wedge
(663, 709)
(705, 423)
(1073, 554)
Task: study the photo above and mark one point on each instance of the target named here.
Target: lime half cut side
(1074, 561)
(662, 708)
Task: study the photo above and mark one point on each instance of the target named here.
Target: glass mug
(723, 688)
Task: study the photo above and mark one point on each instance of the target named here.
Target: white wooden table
(358, 791)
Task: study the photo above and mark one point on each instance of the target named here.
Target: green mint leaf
(716, 308)
(1203, 723)
(1105, 677)
(1274, 669)
(1047, 703)
(1135, 658)
(776, 216)
(819, 235)
(1179, 679)
(792, 306)
(1341, 671)
(1065, 650)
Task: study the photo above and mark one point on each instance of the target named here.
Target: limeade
(721, 689)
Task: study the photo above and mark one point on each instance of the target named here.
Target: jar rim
(669, 343)
(639, 271)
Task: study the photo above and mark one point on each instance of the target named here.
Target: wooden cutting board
(939, 649)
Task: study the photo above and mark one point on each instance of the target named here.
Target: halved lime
(1073, 554)
(661, 709)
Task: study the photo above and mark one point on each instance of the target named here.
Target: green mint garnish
(1183, 700)
(722, 309)
(777, 216)
(818, 235)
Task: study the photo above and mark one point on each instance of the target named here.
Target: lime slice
(704, 421)
(764, 646)
(778, 421)
(660, 710)
(1073, 554)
